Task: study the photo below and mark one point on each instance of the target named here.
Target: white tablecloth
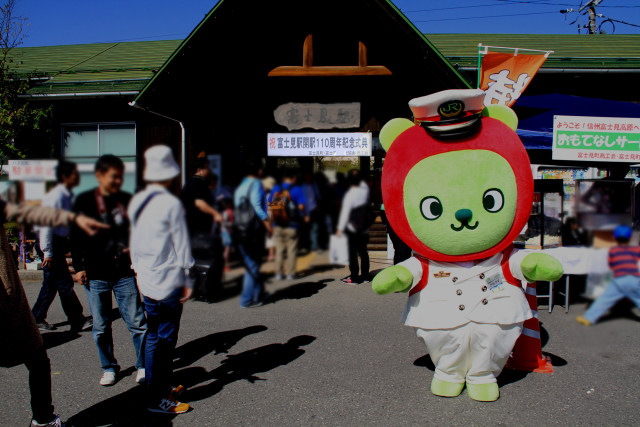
(588, 261)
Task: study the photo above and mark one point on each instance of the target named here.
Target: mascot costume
(458, 189)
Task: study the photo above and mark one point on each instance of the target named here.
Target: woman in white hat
(161, 258)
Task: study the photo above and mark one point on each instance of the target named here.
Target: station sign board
(345, 144)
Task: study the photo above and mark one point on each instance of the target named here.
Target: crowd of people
(153, 251)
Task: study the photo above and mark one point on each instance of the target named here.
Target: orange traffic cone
(527, 352)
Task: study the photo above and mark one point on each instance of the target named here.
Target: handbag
(247, 226)
(338, 250)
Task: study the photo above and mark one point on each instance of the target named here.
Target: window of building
(84, 143)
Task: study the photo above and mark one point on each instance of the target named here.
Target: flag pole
(479, 63)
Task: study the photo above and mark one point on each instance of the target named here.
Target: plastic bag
(339, 250)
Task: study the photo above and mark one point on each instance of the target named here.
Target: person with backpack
(287, 205)
(356, 216)
(203, 221)
(249, 225)
(161, 257)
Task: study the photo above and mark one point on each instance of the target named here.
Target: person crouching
(161, 257)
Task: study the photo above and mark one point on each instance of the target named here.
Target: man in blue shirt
(292, 201)
(252, 248)
(54, 243)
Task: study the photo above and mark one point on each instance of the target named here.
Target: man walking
(161, 257)
(287, 204)
(204, 221)
(102, 262)
(352, 221)
(250, 201)
(54, 243)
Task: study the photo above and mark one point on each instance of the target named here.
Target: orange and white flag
(504, 75)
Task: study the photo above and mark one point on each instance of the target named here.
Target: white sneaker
(140, 376)
(55, 423)
(108, 378)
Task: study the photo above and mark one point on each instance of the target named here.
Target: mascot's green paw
(483, 392)
(445, 388)
(539, 266)
(392, 279)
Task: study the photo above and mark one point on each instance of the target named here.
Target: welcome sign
(612, 139)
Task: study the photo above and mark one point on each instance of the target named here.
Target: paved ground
(324, 353)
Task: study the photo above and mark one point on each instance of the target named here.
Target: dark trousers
(39, 368)
(163, 323)
(358, 248)
(210, 252)
(57, 280)
(401, 251)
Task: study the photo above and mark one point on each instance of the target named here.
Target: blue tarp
(535, 114)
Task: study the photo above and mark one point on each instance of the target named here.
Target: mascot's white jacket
(447, 295)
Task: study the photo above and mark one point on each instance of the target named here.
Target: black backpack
(362, 217)
(247, 226)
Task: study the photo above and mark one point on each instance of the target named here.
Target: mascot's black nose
(464, 216)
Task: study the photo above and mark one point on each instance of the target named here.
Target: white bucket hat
(160, 164)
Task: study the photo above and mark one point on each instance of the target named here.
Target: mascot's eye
(431, 208)
(493, 200)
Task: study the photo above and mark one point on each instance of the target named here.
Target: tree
(21, 123)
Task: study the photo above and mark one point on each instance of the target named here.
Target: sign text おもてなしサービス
(320, 144)
(613, 139)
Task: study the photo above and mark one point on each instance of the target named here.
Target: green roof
(127, 67)
(603, 51)
(91, 68)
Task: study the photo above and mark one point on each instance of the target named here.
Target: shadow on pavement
(242, 366)
(127, 408)
(216, 343)
(425, 362)
(623, 309)
(54, 339)
(321, 268)
(124, 409)
(298, 291)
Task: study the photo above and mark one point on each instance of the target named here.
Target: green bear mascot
(458, 189)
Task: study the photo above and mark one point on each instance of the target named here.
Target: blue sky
(54, 22)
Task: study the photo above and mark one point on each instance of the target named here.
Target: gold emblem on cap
(451, 109)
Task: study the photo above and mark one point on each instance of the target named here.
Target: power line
(452, 8)
(487, 16)
(534, 3)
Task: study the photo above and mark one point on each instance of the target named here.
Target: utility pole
(589, 8)
(592, 14)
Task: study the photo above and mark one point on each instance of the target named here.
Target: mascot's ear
(392, 130)
(503, 113)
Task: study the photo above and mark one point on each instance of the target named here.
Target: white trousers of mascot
(469, 315)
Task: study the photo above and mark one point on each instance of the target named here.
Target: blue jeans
(57, 280)
(620, 287)
(131, 311)
(252, 287)
(163, 323)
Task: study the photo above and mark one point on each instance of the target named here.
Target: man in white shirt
(161, 257)
(356, 197)
(54, 243)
